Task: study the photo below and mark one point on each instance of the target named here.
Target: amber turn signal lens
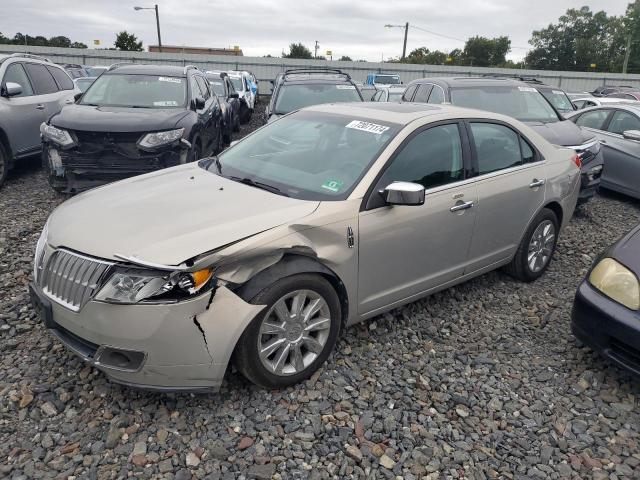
(201, 277)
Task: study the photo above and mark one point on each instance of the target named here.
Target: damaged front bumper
(184, 346)
(85, 166)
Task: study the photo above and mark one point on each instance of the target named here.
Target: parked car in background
(606, 309)
(255, 87)
(523, 102)
(299, 88)
(574, 95)
(389, 94)
(75, 70)
(265, 253)
(617, 127)
(606, 90)
(133, 119)
(242, 83)
(383, 79)
(555, 96)
(367, 91)
(95, 70)
(229, 102)
(32, 89)
(83, 83)
(627, 95)
(587, 102)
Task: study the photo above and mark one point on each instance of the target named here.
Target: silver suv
(32, 89)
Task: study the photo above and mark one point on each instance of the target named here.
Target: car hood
(627, 250)
(563, 133)
(117, 119)
(169, 216)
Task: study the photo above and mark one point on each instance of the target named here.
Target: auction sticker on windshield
(367, 127)
(333, 185)
(345, 87)
(170, 79)
(527, 89)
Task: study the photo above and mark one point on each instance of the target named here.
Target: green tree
(422, 55)
(59, 42)
(345, 58)
(298, 50)
(78, 45)
(4, 40)
(127, 41)
(486, 52)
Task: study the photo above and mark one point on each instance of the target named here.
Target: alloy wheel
(294, 332)
(541, 246)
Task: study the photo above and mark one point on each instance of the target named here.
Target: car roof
(471, 81)
(172, 70)
(401, 113)
(630, 107)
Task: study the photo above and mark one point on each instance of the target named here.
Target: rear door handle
(40, 107)
(461, 206)
(536, 183)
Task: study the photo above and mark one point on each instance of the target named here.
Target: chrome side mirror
(11, 89)
(632, 135)
(404, 193)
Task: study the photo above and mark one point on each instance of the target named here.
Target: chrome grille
(71, 279)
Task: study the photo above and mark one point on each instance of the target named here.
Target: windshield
(523, 103)
(141, 91)
(308, 155)
(95, 71)
(217, 87)
(387, 79)
(237, 83)
(558, 99)
(84, 83)
(293, 97)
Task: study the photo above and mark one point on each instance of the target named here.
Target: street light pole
(157, 22)
(404, 46)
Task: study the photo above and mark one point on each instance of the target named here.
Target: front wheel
(295, 334)
(536, 248)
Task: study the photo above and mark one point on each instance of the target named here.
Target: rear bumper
(590, 178)
(607, 327)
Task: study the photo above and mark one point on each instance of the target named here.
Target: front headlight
(56, 135)
(157, 139)
(134, 286)
(617, 282)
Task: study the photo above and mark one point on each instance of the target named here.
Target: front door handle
(461, 206)
(39, 107)
(536, 183)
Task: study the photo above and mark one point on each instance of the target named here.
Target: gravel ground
(480, 381)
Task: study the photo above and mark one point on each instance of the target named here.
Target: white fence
(266, 69)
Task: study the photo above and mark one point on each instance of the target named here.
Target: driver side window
(431, 158)
(15, 73)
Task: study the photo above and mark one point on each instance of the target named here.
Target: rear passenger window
(409, 93)
(15, 73)
(437, 95)
(594, 119)
(422, 95)
(43, 82)
(204, 88)
(62, 79)
(497, 147)
(528, 155)
(432, 158)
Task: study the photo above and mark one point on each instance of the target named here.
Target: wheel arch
(293, 264)
(556, 208)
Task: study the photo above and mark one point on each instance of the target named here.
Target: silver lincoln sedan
(323, 218)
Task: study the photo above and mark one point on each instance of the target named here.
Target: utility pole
(158, 25)
(404, 47)
(315, 53)
(627, 54)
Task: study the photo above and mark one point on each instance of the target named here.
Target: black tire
(4, 164)
(244, 113)
(236, 122)
(246, 355)
(520, 267)
(221, 143)
(227, 129)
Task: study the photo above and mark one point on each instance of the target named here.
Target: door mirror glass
(632, 135)
(404, 193)
(12, 89)
(199, 103)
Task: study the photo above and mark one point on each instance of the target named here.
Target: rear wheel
(4, 165)
(536, 248)
(236, 122)
(245, 113)
(295, 334)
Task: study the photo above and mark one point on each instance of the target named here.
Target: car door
(422, 95)
(621, 156)
(45, 88)
(27, 112)
(212, 110)
(510, 184)
(66, 87)
(405, 251)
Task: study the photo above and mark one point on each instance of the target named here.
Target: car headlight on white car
(158, 139)
(56, 135)
(617, 282)
(133, 286)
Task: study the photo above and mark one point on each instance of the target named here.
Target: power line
(453, 38)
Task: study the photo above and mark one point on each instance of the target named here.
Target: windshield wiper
(264, 186)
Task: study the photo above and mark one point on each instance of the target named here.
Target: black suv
(523, 102)
(303, 87)
(133, 119)
(230, 103)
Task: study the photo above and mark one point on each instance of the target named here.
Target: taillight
(577, 161)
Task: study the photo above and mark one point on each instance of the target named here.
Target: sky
(260, 27)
